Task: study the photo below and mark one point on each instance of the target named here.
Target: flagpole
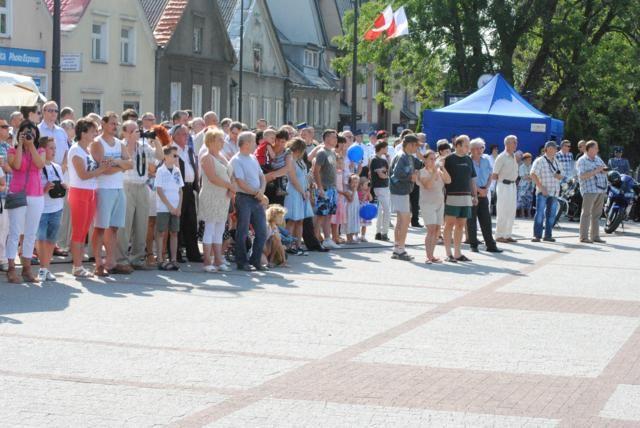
(354, 77)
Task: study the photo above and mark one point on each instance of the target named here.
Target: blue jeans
(546, 209)
(250, 211)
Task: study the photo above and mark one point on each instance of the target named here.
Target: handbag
(58, 191)
(18, 199)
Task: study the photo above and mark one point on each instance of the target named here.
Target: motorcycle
(622, 194)
(567, 205)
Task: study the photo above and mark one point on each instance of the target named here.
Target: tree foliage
(579, 58)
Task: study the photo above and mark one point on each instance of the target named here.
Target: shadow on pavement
(17, 299)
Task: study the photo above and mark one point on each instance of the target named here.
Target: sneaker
(210, 269)
(385, 238)
(223, 268)
(328, 243)
(50, 276)
(42, 275)
(378, 237)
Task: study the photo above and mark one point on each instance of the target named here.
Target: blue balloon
(369, 211)
(355, 154)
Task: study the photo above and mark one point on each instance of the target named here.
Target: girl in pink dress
(340, 217)
(364, 195)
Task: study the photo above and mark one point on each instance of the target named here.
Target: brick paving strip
(336, 378)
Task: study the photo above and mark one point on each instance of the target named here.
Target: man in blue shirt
(618, 163)
(480, 212)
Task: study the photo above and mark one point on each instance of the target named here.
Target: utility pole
(55, 60)
(354, 77)
(241, 60)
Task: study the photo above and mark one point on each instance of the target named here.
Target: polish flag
(399, 26)
(381, 24)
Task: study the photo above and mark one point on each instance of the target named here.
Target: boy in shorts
(168, 186)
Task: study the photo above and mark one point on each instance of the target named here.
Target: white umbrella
(18, 90)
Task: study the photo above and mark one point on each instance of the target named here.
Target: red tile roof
(169, 21)
(71, 12)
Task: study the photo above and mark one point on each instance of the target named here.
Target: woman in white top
(83, 171)
(51, 217)
(431, 180)
(214, 198)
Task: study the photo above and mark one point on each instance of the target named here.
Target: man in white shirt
(210, 121)
(48, 128)
(505, 173)
(231, 144)
(133, 235)
(250, 201)
(112, 202)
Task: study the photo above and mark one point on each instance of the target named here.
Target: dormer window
(311, 58)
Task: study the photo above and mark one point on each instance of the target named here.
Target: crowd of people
(133, 194)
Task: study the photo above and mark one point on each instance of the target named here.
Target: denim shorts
(111, 209)
(49, 225)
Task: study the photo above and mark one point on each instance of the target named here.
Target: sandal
(101, 271)
(463, 258)
(81, 272)
(435, 260)
(173, 266)
(451, 259)
(404, 256)
(428, 261)
(165, 265)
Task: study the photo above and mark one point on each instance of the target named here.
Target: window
(293, 110)
(266, 109)
(91, 106)
(127, 46)
(257, 60)
(176, 96)
(253, 110)
(327, 114)
(278, 119)
(131, 104)
(305, 110)
(215, 99)
(311, 59)
(99, 42)
(196, 100)
(5, 18)
(316, 112)
(198, 34)
(374, 88)
(363, 91)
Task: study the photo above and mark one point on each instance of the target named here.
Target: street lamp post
(55, 60)
(354, 77)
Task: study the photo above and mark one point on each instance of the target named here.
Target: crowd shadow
(22, 298)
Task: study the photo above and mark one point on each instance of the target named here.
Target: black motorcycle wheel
(613, 221)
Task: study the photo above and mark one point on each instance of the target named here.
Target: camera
(150, 135)
(28, 135)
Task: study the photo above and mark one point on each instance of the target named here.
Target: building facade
(265, 70)
(194, 56)
(107, 58)
(312, 89)
(25, 44)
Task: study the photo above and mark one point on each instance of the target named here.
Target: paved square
(511, 341)
(624, 404)
(312, 414)
(540, 335)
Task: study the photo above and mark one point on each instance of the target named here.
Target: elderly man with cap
(480, 212)
(618, 163)
(546, 173)
(505, 172)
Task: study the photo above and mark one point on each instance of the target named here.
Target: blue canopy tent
(493, 112)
